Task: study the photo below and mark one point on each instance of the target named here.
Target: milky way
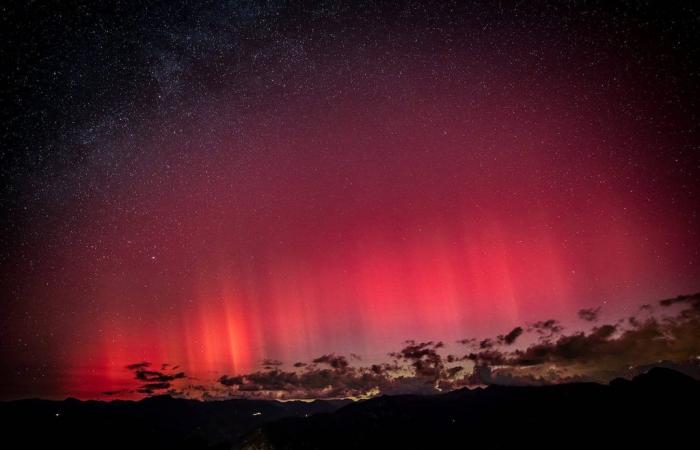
(209, 186)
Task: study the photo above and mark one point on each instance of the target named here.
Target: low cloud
(312, 382)
(417, 368)
(152, 388)
(150, 381)
(156, 376)
(546, 329)
(336, 362)
(589, 314)
(271, 363)
(424, 358)
(138, 365)
(606, 352)
(510, 338)
(624, 348)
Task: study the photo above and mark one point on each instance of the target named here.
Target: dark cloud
(151, 388)
(606, 352)
(547, 329)
(589, 314)
(271, 363)
(486, 343)
(469, 342)
(231, 380)
(138, 366)
(155, 376)
(510, 338)
(624, 348)
(693, 300)
(336, 362)
(338, 380)
(153, 381)
(416, 368)
(490, 357)
(579, 347)
(410, 385)
(481, 374)
(424, 358)
(111, 393)
(486, 375)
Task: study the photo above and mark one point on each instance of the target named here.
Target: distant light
(257, 413)
(58, 414)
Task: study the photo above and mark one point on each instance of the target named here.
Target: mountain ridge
(637, 412)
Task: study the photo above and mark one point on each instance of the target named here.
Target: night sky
(203, 190)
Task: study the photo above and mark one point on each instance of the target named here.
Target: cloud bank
(663, 335)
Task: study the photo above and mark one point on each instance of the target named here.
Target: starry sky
(201, 190)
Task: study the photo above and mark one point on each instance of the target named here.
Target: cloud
(606, 352)
(486, 343)
(416, 368)
(335, 381)
(271, 363)
(424, 358)
(547, 329)
(336, 362)
(626, 347)
(510, 338)
(469, 342)
(151, 388)
(231, 380)
(693, 300)
(111, 393)
(589, 314)
(138, 365)
(153, 381)
(155, 376)
(579, 347)
(491, 357)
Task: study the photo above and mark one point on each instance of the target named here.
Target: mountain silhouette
(657, 409)
(153, 423)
